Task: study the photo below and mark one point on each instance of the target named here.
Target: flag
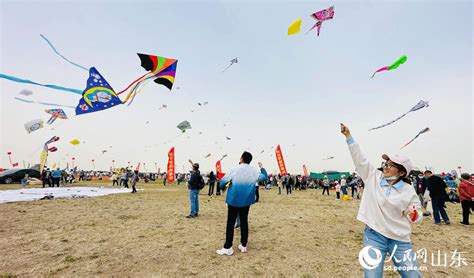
(219, 172)
(305, 171)
(138, 167)
(280, 160)
(171, 166)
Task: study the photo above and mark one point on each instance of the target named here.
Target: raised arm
(362, 165)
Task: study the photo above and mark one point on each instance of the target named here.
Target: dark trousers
(232, 213)
(46, 182)
(56, 181)
(211, 189)
(125, 183)
(134, 189)
(466, 207)
(257, 194)
(438, 208)
(353, 190)
(326, 188)
(115, 182)
(338, 195)
(288, 189)
(218, 189)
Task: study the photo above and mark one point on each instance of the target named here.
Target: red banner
(219, 173)
(138, 167)
(280, 160)
(305, 171)
(170, 166)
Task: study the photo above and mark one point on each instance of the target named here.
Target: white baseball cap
(399, 159)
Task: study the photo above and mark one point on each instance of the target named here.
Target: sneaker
(242, 249)
(464, 223)
(225, 251)
(190, 216)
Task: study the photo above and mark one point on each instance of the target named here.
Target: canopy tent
(331, 176)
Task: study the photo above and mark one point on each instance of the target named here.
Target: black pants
(125, 183)
(46, 182)
(115, 182)
(288, 189)
(56, 181)
(353, 190)
(218, 189)
(326, 188)
(232, 213)
(257, 194)
(338, 195)
(134, 189)
(211, 189)
(466, 207)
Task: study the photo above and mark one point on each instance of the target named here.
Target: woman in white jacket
(388, 207)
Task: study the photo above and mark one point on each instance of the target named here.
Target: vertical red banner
(280, 160)
(305, 171)
(170, 167)
(138, 167)
(219, 170)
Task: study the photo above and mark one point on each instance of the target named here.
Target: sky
(287, 90)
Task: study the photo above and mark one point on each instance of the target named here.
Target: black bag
(200, 182)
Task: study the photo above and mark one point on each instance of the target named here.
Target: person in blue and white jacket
(240, 196)
(388, 207)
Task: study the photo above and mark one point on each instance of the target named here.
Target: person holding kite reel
(388, 207)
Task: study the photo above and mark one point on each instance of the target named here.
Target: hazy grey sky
(284, 90)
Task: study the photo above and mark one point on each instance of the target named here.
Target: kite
(328, 158)
(208, 155)
(295, 27)
(421, 104)
(183, 126)
(46, 149)
(42, 103)
(233, 61)
(52, 149)
(26, 92)
(162, 71)
(163, 107)
(228, 138)
(55, 114)
(98, 95)
(204, 103)
(34, 125)
(262, 151)
(321, 16)
(419, 133)
(104, 151)
(75, 142)
(10, 159)
(395, 65)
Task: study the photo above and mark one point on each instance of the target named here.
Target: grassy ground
(146, 234)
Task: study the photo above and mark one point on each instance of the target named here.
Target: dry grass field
(147, 234)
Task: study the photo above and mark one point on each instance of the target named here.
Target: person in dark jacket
(437, 188)
(194, 185)
(46, 177)
(212, 182)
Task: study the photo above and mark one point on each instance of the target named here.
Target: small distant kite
(233, 61)
(421, 104)
(320, 17)
(55, 114)
(419, 133)
(163, 107)
(329, 158)
(183, 126)
(295, 27)
(262, 151)
(43, 103)
(104, 151)
(202, 104)
(395, 65)
(208, 155)
(26, 92)
(75, 142)
(228, 138)
(34, 125)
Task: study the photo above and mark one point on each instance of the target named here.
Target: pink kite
(321, 16)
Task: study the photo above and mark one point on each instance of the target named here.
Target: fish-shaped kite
(162, 71)
(320, 17)
(426, 129)
(393, 66)
(295, 27)
(421, 104)
(55, 114)
(233, 61)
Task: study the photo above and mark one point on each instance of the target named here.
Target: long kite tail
(131, 84)
(26, 81)
(379, 70)
(60, 55)
(389, 123)
(228, 67)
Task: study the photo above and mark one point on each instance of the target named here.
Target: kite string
(60, 55)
